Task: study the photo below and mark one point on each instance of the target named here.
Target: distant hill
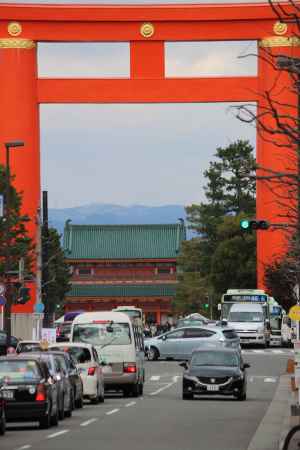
(115, 214)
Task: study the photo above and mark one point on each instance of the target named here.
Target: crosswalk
(268, 351)
(163, 379)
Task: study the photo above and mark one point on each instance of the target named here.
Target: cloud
(159, 159)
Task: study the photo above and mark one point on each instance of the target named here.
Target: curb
(275, 424)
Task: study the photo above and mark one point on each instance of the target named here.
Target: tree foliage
(57, 283)
(15, 242)
(221, 256)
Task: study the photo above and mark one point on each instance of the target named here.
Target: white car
(89, 367)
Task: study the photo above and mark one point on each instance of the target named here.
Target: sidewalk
(277, 421)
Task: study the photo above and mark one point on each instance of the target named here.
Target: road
(161, 420)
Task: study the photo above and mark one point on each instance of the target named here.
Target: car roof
(216, 349)
(70, 344)
(22, 356)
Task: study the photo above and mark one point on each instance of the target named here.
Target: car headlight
(191, 378)
(239, 377)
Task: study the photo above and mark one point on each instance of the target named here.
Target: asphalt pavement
(161, 420)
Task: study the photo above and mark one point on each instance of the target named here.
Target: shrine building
(117, 265)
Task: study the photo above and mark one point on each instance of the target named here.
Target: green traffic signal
(249, 225)
(245, 224)
(206, 305)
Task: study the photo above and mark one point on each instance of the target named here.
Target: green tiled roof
(123, 241)
(93, 290)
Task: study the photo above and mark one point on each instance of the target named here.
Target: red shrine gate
(147, 28)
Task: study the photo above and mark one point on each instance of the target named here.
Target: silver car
(180, 343)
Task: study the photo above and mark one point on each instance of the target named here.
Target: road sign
(39, 308)
(2, 289)
(1, 205)
(294, 313)
(2, 300)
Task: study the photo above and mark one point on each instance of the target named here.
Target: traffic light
(23, 295)
(249, 225)
(206, 305)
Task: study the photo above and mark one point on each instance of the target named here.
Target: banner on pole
(1, 205)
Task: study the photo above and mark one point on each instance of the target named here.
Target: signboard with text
(240, 298)
(49, 335)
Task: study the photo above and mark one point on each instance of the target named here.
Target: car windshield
(82, 355)
(210, 358)
(245, 316)
(13, 371)
(28, 347)
(102, 334)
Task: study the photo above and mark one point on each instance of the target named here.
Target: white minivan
(120, 346)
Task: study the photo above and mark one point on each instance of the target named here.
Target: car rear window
(230, 334)
(13, 371)
(22, 348)
(82, 355)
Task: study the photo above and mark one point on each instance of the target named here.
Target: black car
(64, 386)
(3, 347)
(215, 371)
(71, 372)
(2, 411)
(29, 390)
(63, 332)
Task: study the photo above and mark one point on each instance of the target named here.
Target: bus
(247, 310)
(120, 347)
(131, 311)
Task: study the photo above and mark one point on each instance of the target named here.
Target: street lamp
(8, 146)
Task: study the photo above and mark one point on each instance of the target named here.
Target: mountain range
(108, 214)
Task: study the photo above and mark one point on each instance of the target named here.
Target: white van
(119, 345)
(250, 323)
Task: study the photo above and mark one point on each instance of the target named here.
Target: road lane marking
(113, 411)
(164, 387)
(259, 351)
(155, 378)
(24, 447)
(130, 404)
(277, 351)
(270, 380)
(88, 422)
(59, 433)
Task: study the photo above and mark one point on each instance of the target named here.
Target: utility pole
(45, 257)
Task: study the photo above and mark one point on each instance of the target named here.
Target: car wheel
(54, 419)
(101, 396)
(153, 354)
(187, 396)
(61, 412)
(242, 396)
(68, 413)
(141, 388)
(79, 403)
(95, 400)
(45, 422)
(2, 424)
(135, 390)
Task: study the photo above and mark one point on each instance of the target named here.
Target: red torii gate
(147, 28)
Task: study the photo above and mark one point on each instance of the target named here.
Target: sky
(135, 154)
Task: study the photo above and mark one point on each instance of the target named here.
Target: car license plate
(7, 395)
(212, 387)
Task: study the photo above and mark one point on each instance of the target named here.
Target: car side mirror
(103, 363)
(246, 366)
(164, 337)
(184, 365)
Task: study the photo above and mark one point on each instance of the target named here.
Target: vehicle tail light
(57, 332)
(129, 368)
(40, 393)
(91, 371)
